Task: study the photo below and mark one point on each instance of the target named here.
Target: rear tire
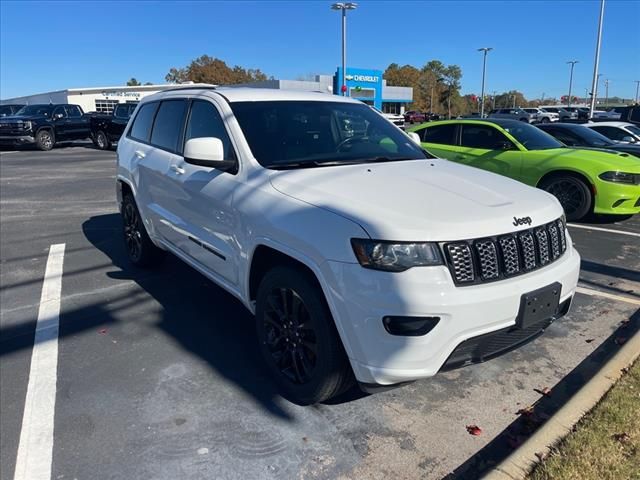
(572, 192)
(102, 141)
(140, 249)
(45, 140)
(298, 339)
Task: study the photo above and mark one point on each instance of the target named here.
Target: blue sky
(55, 45)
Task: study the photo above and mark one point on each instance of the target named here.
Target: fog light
(409, 326)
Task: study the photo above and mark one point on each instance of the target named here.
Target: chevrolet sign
(363, 78)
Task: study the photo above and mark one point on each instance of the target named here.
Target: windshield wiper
(334, 163)
(386, 159)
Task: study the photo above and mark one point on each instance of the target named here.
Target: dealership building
(362, 84)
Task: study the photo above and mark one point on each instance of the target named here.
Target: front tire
(45, 140)
(572, 192)
(140, 249)
(298, 339)
(544, 120)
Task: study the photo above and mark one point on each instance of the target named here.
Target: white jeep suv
(362, 256)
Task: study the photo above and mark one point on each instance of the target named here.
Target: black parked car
(574, 135)
(44, 126)
(8, 110)
(107, 129)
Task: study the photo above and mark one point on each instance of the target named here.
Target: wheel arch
(565, 171)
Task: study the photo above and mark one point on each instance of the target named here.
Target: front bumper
(16, 139)
(617, 198)
(360, 298)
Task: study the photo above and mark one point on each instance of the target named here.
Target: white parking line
(587, 227)
(35, 450)
(598, 293)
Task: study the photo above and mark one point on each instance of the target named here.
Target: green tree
(132, 82)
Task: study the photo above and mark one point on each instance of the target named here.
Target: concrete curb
(520, 463)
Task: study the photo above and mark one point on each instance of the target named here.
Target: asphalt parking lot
(158, 375)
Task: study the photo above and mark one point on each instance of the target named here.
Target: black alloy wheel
(290, 338)
(297, 337)
(140, 249)
(102, 142)
(573, 194)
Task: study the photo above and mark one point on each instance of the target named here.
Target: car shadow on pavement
(204, 319)
(531, 418)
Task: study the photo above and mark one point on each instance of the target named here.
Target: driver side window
(59, 111)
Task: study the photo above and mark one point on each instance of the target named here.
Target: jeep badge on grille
(522, 221)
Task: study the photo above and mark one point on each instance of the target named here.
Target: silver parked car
(562, 112)
(542, 116)
(513, 114)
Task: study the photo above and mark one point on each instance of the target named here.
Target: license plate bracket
(539, 305)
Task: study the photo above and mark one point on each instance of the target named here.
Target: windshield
(284, 133)
(35, 110)
(532, 138)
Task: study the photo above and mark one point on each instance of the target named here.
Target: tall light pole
(485, 50)
(596, 63)
(572, 63)
(606, 94)
(637, 89)
(344, 6)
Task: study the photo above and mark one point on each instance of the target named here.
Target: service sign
(121, 94)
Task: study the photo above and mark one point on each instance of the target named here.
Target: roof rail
(192, 86)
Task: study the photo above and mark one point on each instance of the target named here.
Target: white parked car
(541, 116)
(612, 114)
(394, 118)
(362, 256)
(618, 131)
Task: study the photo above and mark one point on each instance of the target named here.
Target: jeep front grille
(503, 256)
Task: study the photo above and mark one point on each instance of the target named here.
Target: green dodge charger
(584, 181)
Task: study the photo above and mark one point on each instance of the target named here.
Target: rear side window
(122, 111)
(443, 134)
(613, 133)
(141, 128)
(205, 121)
(168, 126)
(482, 136)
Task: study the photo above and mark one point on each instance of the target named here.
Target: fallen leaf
(474, 430)
(527, 411)
(589, 340)
(620, 340)
(625, 370)
(625, 323)
(102, 331)
(621, 437)
(304, 439)
(604, 312)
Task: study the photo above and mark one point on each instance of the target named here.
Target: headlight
(621, 177)
(395, 256)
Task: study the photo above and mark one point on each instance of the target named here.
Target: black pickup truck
(44, 126)
(107, 129)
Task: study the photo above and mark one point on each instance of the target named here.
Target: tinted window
(122, 111)
(205, 121)
(73, 111)
(482, 136)
(301, 133)
(613, 133)
(564, 136)
(5, 111)
(532, 138)
(552, 110)
(141, 128)
(167, 128)
(35, 110)
(443, 134)
(635, 114)
(59, 111)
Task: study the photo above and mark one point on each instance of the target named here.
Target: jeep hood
(428, 200)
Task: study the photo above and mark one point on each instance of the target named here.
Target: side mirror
(414, 137)
(58, 116)
(628, 138)
(505, 145)
(207, 152)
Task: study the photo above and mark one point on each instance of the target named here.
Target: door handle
(177, 169)
(140, 154)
